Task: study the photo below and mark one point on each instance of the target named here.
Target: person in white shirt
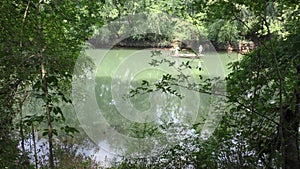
(177, 49)
(200, 49)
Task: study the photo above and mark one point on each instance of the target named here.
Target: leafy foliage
(40, 42)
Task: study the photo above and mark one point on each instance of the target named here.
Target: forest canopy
(41, 40)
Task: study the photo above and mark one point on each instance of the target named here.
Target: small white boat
(186, 55)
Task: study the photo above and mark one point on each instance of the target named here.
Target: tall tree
(40, 41)
(264, 85)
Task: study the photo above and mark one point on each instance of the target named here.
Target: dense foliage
(41, 39)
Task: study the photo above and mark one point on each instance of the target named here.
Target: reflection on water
(101, 153)
(150, 122)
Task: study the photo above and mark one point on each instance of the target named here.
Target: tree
(37, 57)
(261, 129)
(264, 86)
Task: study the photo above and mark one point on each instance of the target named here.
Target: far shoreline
(156, 48)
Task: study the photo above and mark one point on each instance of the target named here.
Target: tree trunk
(21, 129)
(290, 140)
(48, 114)
(45, 86)
(290, 130)
(34, 146)
(25, 160)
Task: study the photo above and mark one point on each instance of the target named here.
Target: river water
(147, 122)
